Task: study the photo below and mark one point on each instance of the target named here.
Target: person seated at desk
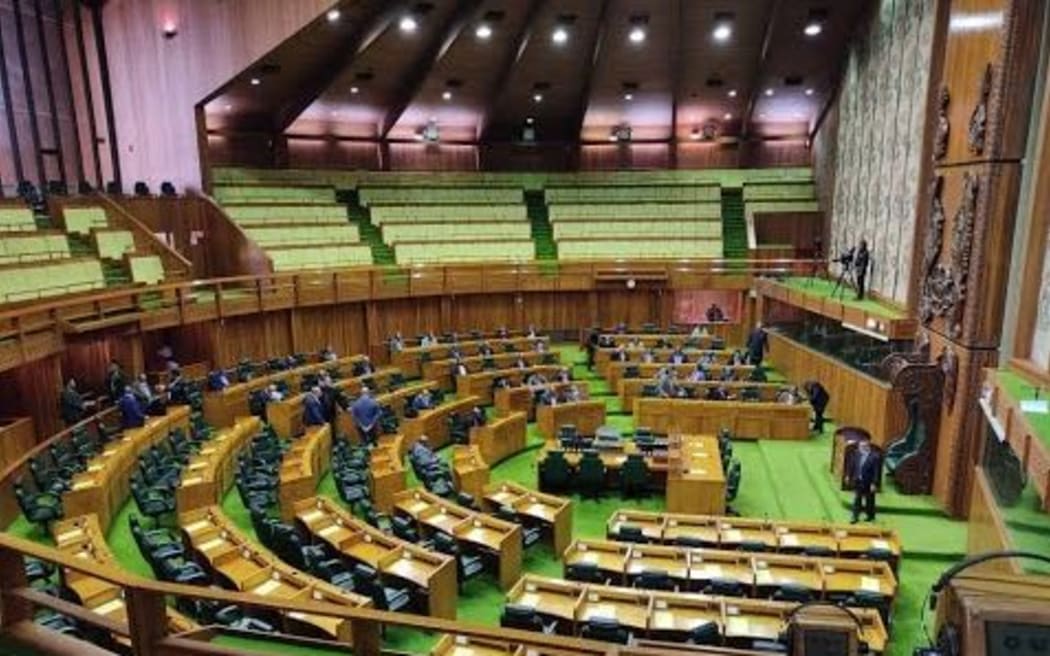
(563, 375)
(718, 393)
(313, 408)
(501, 382)
(502, 332)
(273, 394)
(634, 343)
(707, 358)
(141, 389)
(727, 374)
(714, 314)
(520, 363)
(485, 350)
(619, 355)
(427, 340)
(131, 413)
(536, 380)
(818, 399)
(699, 330)
(477, 417)
(423, 401)
(546, 396)
(606, 341)
(620, 328)
(115, 380)
(158, 405)
(397, 343)
(459, 369)
(531, 332)
(364, 366)
(421, 451)
(218, 381)
(366, 412)
(540, 347)
(178, 388)
(679, 357)
(666, 386)
(455, 352)
(738, 359)
(328, 354)
(71, 404)
(648, 357)
(573, 394)
(699, 373)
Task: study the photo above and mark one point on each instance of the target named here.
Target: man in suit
(366, 412)
(860, 267)
(757, 345)
(818, 399)
(865, 481)
(313, 409)
(131, 412)
(72, 405)
(423, 401)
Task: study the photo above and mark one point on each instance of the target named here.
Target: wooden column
(978, 136)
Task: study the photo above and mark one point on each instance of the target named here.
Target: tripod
(846, 279)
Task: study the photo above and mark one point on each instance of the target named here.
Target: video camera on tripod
(846, 259)
(846, 278)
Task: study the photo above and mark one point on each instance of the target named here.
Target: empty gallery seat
(33, 247)
(319, 257)
(265, 194)
(82, 220)
(477, 251)
(146, 269)
(384, 214)
(113, 244)
(44, 279)
(458, 195)
(16, 219)
(272, 237)
(436, 232)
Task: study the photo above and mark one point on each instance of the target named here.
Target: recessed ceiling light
(256, 81)
(537, 97)
(355, 90)
(815, 22)
(723, 26)
(628, 96)
(483, 32)
(727, 116)
(333, 15)
(637, 34)
(227, 107)
(408, 23)
(446, 95)
(530, 120)
(810, 92)
(769, 92)
(732, 93)
(560, 35)
(813, 29)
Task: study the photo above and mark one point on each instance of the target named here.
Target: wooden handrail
(140, 229)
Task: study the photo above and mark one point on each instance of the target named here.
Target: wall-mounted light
(170, 30)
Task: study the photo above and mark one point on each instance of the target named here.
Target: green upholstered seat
(465, 251)
(273, 194)
(640, 211)
(82, 220)
(264, 214)
(303, 235)
(112, 244)
(584, 249)
(409, 232)
(640, 229)
(16, 219)
(146, 269)
(43, 279)
(642, 193)
(32, 247)
(488, 213)
(319, 257)
(440, 195)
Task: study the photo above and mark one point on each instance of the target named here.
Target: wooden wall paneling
(79, 68)
(484, 311)
(64, 90)
(25, 72)
(985, 531)
(555, 310)
(526, 157)
(340, 326)
(256, 337)
(39, 384)
(433, 157)
(774, 153)
(228, 251)
(49, 71)
(633, 307)
(10, 150)
(182, 224)
(410, 316)
(797, 229)
(699, 155)
(332, 154)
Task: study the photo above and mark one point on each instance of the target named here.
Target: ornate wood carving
(940, 144)
(922, 346)
(944, 284)
(979, 118)
(910, 458)
(949, 364)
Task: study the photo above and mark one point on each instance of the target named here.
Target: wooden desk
(846, 540)
(523, 398)
(223, 406)
(479, 383)
(587, 416)
(695, 480)
(460, 645)
(303, 466)
(552, 512)
(104, 487)
(434, 422)
(409, 359)
(743, 419)
(440, 371)
(676, 339)
(247, 567)
(395, 400)
(603, 356)
(286, 416)
(210, 472)
(631, 389)
(500, 438)
(432, 574)
(470, 473)
(473, 529)
(616, 371)
(386, 472)
(82, 537)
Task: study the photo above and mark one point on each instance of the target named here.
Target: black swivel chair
(605, 629)
(653, 579)
(725, 588)
(366, 581)
(585, 573)
(525, 618)
(468, 566)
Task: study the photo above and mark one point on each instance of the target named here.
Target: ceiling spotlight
(483, 31)
(696, 134)
(810, 92)
(408, 23)
(560, 35)
(256, 81)
(628, 96)
(529, 120)
(815, 22)
(333, 15)
(732, 93)
(446, 95)
(637, 34)
(537, 97)
(355, 90)
(170, 30)
(723, 26)
(227, 107)
(727, 116)
(769, 92)
(813, 29)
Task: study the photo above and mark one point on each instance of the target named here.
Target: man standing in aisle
(865, 481)
(757, 345)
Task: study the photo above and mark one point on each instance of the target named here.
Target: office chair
(141, 188)
(634, 476)
(591, 475)
(655, 579)
(794, 593)
(818, 551)
(585, 573)
(404, 528)
(628, 533)
(525, 618)
(554, 472)
(605, 629)
(366, 581)
(725, 588)
(317, 561)
(705, 634)
(468, 565)
(752, 546)
(40, 508)
(466, 500)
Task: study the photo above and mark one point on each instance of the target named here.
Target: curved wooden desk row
(441, 370)
(303, 466)
(222, 407)
(434, 422)
(655, 613)
(711, 332)
(82, 537)
(432, 574)
(603, 357)
(532, 507)
(480, 383)
(500, 438)
(617, 371)
(395, 400)
(744, 419)
(286, 416)
(104, 486)
(410, 359)
(386, 471)
(631, 389)
(690, 468)
(470, 472)
(848, 541)
(587, 416)
(690, 568)
(472, 529)
(522, 398)
(209, 472)
(249, 568)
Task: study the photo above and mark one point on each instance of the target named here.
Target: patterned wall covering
(882, 108)
(1041, 334)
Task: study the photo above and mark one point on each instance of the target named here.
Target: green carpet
(1019, 389)
(824, 288)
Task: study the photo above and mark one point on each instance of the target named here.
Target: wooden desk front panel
(440, 371)
(409, 359)
(744, 420)
(303, 467)
(587, 416)
(479, 383)
(603, 357)
(522, 398)
(500, 438)
(210, 473)
(616, 370)
(434, 423)
(631, 389)
(17, 437)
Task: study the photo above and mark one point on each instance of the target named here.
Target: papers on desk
(1035, 406)
(109, 607)
(328, 530)
(191, 480)
(199, 525)
(81, 484)
(599, 610)
(880, 544)
(870, 584)
(733, 535)
(312, 515)
(211, 544)
(267, 588)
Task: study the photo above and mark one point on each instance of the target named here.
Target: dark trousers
(864, 499)
(818, 420)
(755, 357)
(369, 436)
(860, 286)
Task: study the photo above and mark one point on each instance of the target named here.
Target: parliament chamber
(546, 327)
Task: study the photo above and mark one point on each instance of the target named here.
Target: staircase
(115, 273)
(542, 233)
(358, 215)
(734, 224)
(80, 246)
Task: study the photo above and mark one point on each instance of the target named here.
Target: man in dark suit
(313, 408)
(865, 481)
(818, 399)
(861, 261)
(757, 345)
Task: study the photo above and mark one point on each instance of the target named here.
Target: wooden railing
(175, 265)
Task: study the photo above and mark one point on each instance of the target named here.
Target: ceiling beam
(435, 49)
(675, 50)
(376, 19)
(588, 72)
(767, 37)
(510, 60)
